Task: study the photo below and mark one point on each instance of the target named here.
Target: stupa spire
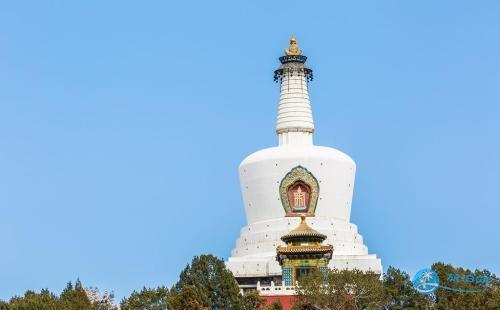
(295, 121)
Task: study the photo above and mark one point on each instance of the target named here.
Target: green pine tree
(340, 290)
(209, 275)
(487, 298)
(400, 292)
(146, 299)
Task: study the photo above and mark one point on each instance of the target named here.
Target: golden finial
(293, 50)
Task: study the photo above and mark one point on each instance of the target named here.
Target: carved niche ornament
(299, 192)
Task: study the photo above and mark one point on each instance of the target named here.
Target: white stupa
(279, 184)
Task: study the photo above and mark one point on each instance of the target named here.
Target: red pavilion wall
(287, 301)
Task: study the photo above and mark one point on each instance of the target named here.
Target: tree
(208, 274)
(188, 297)
(146, 299)
(400, 292)
(72, 298)
(75, 298)
(4, 305)
(102, 300)
(487, 297)
(340, 290)
(251, 301)
(45, 300)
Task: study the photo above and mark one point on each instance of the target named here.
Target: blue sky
(122, 125)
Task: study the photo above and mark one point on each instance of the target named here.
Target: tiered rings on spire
(295, 122)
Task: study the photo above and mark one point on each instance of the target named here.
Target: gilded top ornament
(293, 50)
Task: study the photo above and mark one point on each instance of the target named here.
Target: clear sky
(122, 124)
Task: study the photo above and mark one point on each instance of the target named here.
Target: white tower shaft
(295, 124)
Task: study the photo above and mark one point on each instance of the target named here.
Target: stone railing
(273, 290)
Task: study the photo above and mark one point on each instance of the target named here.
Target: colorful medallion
(299, 192)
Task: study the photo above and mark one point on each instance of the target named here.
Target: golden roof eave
(303, 231)
(321, 249)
